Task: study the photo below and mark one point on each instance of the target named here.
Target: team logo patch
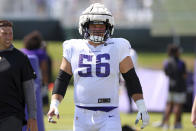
(104, 100)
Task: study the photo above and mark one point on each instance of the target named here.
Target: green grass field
(146, 60)
(66, 110)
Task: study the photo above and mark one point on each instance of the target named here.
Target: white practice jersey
(96, 70)
(134, 57)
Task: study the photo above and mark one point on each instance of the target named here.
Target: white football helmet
(97, 14)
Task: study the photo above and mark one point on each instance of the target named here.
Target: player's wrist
(141, 105)
(54, 103)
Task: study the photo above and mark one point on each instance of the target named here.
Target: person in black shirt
(16, 84)
(175, 69)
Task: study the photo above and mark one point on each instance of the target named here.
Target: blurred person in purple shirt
(33, 43)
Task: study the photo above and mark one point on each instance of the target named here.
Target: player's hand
(193, 119)
(144, 117)
(53, 112)
(32, 125)
(142, 113)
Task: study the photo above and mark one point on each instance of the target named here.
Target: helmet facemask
(96, 35)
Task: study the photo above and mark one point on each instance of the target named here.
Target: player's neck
(95, 44)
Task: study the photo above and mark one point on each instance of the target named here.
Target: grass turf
(66, 110)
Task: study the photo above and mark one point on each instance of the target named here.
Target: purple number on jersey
(99, 65)
(103, 65)
(88, 66)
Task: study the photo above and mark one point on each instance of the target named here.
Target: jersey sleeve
(27, 70)
(67, 50)
(124, 49)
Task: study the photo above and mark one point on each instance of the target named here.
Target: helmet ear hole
(86, 33)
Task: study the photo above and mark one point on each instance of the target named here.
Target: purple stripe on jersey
(105, 109)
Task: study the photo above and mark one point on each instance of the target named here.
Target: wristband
(54, 103)
(140, 105)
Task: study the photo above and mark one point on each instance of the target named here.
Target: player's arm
(133, 85)
(134, 89)
(30, 100)
(62, 80)
(60, 87)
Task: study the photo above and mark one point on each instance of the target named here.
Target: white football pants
(87, 120)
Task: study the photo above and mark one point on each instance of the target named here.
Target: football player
(95, 63)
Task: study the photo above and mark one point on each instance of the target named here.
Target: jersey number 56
(99, 65)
